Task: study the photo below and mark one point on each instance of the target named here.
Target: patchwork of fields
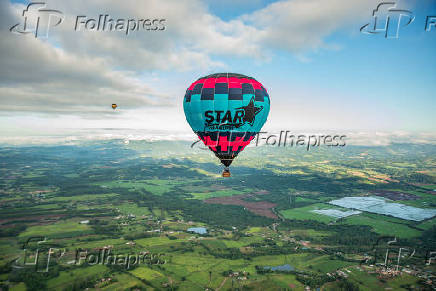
(133, 199)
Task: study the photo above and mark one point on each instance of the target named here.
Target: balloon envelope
(226, 111)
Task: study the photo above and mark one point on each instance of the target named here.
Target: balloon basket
(226, 173)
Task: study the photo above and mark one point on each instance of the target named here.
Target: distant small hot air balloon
(226, 111)
(114, 106)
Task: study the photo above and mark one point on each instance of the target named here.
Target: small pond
(199, 230)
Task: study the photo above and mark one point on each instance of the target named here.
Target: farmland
(139, 200)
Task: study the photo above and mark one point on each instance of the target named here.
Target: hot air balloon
(226, 111)
(114, 106)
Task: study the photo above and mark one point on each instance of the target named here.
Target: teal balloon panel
(226, 111)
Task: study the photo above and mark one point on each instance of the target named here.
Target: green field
(124, 281)
(132, 208)
(146, 273)
(152, 186)
(428, 224)
(68, 277)
(143, 197)
(383, 226)
(60, 229)
(81, 198)
(305, 213)
(220, 193)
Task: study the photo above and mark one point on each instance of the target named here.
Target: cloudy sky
(321, 72)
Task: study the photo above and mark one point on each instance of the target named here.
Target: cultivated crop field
(122, 201)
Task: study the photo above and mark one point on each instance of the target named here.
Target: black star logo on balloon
(250, 111)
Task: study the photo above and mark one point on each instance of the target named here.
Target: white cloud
(82, 73)
(302, 25)
(38, 76)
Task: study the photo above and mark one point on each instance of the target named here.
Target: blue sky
(393, 77)
(321, 75)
